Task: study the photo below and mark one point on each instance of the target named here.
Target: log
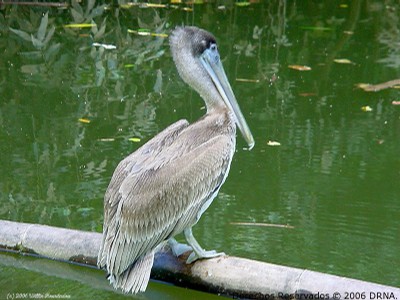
(227, 275)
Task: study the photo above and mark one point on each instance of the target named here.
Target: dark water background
(335, 176)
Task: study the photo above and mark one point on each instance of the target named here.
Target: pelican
(164, 187)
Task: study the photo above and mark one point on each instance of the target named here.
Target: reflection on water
(35, 278)
(334, 177)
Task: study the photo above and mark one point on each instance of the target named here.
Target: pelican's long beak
(211, 61)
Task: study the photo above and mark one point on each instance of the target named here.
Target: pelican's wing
(132, 164)
(138, 160)
(153, 203)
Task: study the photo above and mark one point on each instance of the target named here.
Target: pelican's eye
(214, 55)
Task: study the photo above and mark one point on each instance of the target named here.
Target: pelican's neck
(193, 73)
(212, 98)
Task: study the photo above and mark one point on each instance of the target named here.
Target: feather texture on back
(157, 192)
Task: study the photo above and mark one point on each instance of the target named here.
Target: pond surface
(71, 110)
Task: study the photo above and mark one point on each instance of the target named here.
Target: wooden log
(233, 276)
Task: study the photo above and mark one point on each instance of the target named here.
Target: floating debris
(82, 25)
(262, 224)
(154, 5)
(143, 5)
(307, 94)
(366, 108)
(84, 120)
(146, 32)
(247, 80)
(242, 4)
(378, 87)
(135, 139)
(105, 46)
(299, 67)
(343, 61)
(273, 143)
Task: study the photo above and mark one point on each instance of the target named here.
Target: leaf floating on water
(145, 32)
(247, 80)
(262, 224)
(343, 61)
(163, 35)
(273, 143)
(366, 108)
(135, 139)
(363, 86)
(155, 5)
(299, 67)
(242, 4)
(105, 46)
(378, 87)
(84, 120)
(82, 25)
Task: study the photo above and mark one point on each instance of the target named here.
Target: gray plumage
(162, 189)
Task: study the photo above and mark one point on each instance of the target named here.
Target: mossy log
(233, 276)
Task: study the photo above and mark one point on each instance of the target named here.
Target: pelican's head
(196, 57)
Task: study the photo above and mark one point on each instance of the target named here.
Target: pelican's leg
(198, 252)
(177, 248)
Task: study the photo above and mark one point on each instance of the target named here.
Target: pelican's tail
(136, 277)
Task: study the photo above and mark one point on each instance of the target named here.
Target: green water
(334, 178)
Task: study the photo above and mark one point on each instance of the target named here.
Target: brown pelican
(164, 187)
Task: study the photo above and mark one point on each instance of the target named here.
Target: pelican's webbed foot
(198, 252)
(203, 254)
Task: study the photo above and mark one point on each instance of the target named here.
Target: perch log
(228, 275)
